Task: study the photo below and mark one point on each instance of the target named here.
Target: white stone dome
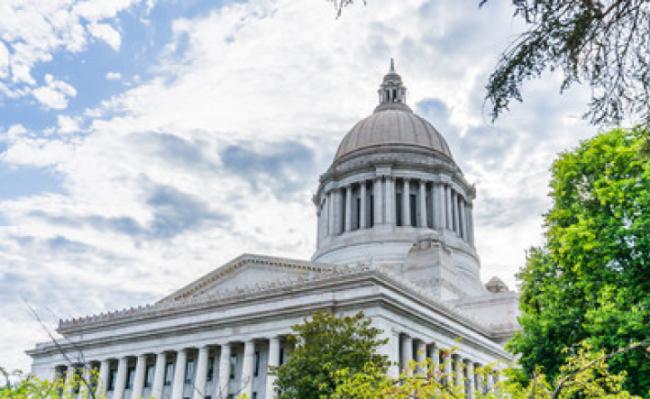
(390, 126)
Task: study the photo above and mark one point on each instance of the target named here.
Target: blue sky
(144, 143)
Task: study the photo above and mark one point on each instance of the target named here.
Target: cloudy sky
(144, 143)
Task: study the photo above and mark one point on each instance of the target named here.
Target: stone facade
(395, 239)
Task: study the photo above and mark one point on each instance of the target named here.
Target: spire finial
(392, 64)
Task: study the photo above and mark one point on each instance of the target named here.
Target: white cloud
(113, 76)
(106, 33)
(33, 31)
(55, 93)
(277, 84)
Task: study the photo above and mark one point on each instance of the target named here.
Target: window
(371, 219)
(398, 205)
(357, 218)
(189, 371)
(233, 365)
(130, 376)
(169, 373)
(257, 364)
(149, 374)
(281, 356)
(112, 376)
(412, 204)
(254, 395)
(210, 369)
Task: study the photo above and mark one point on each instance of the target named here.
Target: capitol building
(395, 239)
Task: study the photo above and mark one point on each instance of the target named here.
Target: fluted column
(274, 361)
(463, 219)
(102, 380)
(330, 213)
(439, 207)
(470, 224)
(247, 368)
(159, 375)
(390, 201)
(458, 370)
(201, 373)
(407, 352)
(448, 208)
(138, 383)
(448, 367)
(406, 203)
(363, 223)
(470, 379)
(478, 379)
(85, 380)
(224, 372)
(378, 198)
(456, 213)
(69, 379)
(348, 208)
(420, 356)
(423, 204)
(179, 374)
(120, 380)
(435, 360)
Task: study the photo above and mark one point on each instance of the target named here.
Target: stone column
(490, 381)
(247, 368)
(330, 213)
(435, 361)
(201, 373)
(458, 370)
(407, 352)
(470, 225)
(120, 381)
(439, 206)
(378, 197)
(70, 379)
(274, 361)
(478, 380)
(86, 380)
(159, 375)
(390, 349)
(138, 383)
(179, 374)
(406, 203)
(421, 356)
(390, 201)
(448, 205)
(457, 212)
(348, 208)
(102, 380)
(448, 368)
(470, 379)
(363, 223)
(463, 219)
(423, 204)
(224, 372)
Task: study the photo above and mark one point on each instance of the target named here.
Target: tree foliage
(584, 375)
(322, 346)
(590, 281)
(605, 43)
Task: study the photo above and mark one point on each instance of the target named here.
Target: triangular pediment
(248, 271)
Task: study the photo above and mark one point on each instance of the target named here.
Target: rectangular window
(371, 217)
(398, 205)
(169, 373)
(257, 364)
(357, 219)
(189, 371)
(414, 215)
(254, 395)
(112, 376)
(281, 361)
(149, 374)
(210, 369)
(233, 365)
(130, 376)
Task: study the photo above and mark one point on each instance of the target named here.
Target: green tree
(323, 345)
(590, 281)
(584, 375)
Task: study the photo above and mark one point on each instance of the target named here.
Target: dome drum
(392, 182)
